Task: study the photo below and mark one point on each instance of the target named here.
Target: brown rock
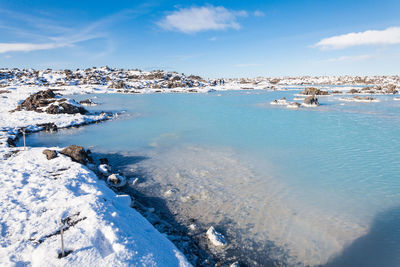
(50, 154)
(77, 154)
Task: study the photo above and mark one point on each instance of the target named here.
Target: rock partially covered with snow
(104, 169)
(50, 154)
(47, 101)
(77, 153)
(116, 180)
(88, 102)
(281, 101)
(216, 238)
(48, 127)
(65, 107)
(37, 100)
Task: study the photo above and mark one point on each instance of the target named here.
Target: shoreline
(174, 232)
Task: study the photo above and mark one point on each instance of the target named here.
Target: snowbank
(100, 228)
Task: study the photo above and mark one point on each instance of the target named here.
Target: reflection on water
(308, 187)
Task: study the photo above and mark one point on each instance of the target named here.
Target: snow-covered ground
(100, 227)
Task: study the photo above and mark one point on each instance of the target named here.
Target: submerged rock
(50, 154)
(216, 238)
(103, 161)
(77, 154)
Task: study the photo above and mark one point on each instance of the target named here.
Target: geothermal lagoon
(310, 186)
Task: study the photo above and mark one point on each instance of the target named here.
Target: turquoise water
(299, 187)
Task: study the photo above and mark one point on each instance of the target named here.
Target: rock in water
(116, 180)
(311, 101)
(77, 153)
(50, 154)
(104, 169)
(87, 102)
(216, 238)
(103, 161)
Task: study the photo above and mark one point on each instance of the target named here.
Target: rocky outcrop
(46, 101)
(313, 91)
(50, 154)
(77, 154)
(37, 100)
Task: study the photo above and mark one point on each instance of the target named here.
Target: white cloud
(27, 47)
(388, 36)
(196, 19)
(259, 13)
(247, 65)
(350, 58)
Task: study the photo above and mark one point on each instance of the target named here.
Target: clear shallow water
(309, 186)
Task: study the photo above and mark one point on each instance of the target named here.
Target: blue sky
(213, 38)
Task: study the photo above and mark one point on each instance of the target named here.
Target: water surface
(299, 187)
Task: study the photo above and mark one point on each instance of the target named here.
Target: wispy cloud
(246, 65)
(27, 47)
(46, 33)
(196, 19)
(388, 36)
(350, 58)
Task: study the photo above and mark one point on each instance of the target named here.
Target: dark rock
(41, 100)
(311, 100)
(11, 142)
(65, 108)
(50, 154)
(103, 161)
(77, 154)
(48, 127)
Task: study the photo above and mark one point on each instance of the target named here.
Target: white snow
(101, 228)
(216, 238)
